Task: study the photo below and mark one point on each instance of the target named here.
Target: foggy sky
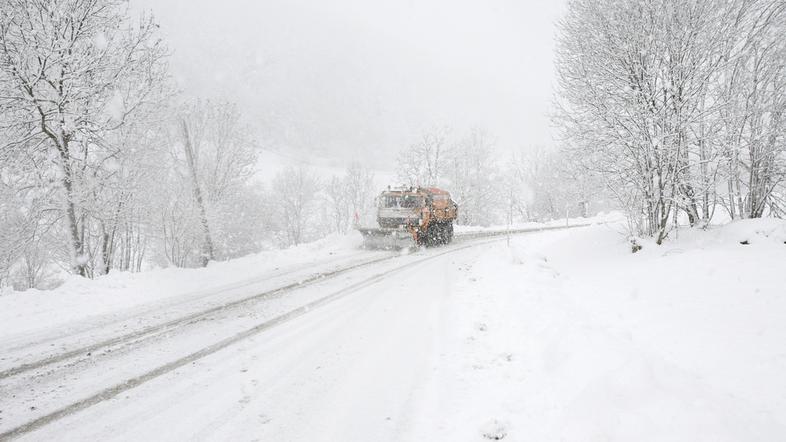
(349, 79)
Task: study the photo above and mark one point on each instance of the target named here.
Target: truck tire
(436, 234)
(424, 237)
(443, 233)
(430, 238)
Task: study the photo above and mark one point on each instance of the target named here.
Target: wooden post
(207, 246)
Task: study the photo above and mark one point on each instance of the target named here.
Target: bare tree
(360, 189)
(338, 199)
(422, 163)
(350, 196)
(474, 178)
(293, 196)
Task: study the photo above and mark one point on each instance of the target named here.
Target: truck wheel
(422, 237)
(432, 235)
(436, 239)
(443, 233)
(441, 237)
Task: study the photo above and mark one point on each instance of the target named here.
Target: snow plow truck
(411, 216)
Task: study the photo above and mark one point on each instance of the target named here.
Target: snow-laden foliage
(94, 170)
(72, 74)
(677, 105)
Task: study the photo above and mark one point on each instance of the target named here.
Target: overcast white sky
(361, 78)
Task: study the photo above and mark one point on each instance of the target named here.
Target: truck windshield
(401, 201)
(409, 201)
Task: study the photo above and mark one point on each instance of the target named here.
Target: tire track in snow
(183, 320)
(137, 312)
(113, 391)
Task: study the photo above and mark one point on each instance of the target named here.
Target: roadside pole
(510, 216)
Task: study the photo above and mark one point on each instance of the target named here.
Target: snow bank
(601, 218)
(78, 297)
(570, 336)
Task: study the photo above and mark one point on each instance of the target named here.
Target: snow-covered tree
(209, 212)
(338, 204)
(350, 197)
(359, 182)
(652, 97)
(752, 93)
(293, 197)
(73, 71)
(474, 179)
(546, 185)
(422, 163)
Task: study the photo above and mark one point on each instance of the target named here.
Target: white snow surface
(79, 298)
(555, 336)
(600, 218)
(567, 336)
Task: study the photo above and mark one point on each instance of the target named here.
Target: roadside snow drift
(569, 336)
(79, 299)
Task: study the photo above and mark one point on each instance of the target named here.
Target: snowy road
(354, 369)
(47, 394)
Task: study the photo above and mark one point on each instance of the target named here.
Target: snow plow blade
(380, 238)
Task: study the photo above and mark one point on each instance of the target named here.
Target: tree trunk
(105, 250)
(77, 247)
